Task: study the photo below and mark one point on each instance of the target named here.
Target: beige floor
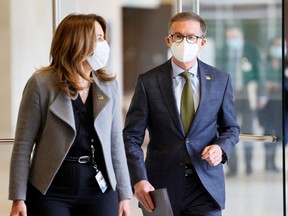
(257, 195)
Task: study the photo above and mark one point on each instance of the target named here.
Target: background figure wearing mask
(70, 116)
(240, 59)
(270, 101)
(187, 107)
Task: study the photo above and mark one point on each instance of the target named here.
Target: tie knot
(186, 75)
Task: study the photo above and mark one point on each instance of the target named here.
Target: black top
(84, 121)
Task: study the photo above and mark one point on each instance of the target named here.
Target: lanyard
(85, 119)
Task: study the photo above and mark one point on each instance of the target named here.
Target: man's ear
(168, 41)
(203, 42)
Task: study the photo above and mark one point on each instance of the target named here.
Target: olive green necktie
(187, 103)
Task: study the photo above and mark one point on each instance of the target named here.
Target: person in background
(187, 107)
(270, 101)
(241, 60)
(68, 158)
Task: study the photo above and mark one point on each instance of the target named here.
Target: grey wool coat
(46, 130)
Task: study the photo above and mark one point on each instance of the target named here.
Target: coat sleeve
(27, 128)
(228, 127)
(119, 161)
(134, 133)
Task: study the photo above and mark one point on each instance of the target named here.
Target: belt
(189, 170)
(81, 159)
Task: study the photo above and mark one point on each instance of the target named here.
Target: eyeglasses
(178, 38)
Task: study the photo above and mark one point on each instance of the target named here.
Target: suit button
(187, 141)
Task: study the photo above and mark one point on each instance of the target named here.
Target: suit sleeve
(134, 133)
(228, 127)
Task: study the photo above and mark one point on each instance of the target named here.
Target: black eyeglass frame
(186, 36)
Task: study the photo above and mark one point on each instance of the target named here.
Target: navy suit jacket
(153, 107)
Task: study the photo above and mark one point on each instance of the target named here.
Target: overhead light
(141, 3)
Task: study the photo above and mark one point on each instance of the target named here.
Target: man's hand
(212, 154)
(142, 189)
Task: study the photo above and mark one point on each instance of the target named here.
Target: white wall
(111, 11)
(5, 93)
(25, 32)
(25, 37)
(31, 34)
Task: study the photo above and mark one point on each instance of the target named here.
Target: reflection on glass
(247, 46)
(270, 100)
(240, 58)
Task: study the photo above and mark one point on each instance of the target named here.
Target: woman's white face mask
(100, 56)
(184, 51)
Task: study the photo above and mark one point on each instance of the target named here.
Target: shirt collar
(177, 70)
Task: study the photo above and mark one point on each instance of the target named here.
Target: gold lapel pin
(208, 77)
(100, 97)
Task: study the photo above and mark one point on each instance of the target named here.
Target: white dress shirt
(179, 81)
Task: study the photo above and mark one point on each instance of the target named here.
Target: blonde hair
(73, 41)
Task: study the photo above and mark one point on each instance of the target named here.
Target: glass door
(245, 40)
(253, 31)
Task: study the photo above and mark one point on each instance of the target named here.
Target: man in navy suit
(186, 162)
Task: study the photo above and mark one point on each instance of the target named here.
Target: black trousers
(73, 192)
(197, 201)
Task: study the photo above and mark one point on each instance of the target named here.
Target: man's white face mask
(184, 51)
(100, 56)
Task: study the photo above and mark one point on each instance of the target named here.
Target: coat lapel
(100, 99)
(62, 108)
(165, 81)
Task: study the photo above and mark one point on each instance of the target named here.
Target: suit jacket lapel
(205, 82)
(165, 78)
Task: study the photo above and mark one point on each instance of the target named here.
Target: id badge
(101, 181)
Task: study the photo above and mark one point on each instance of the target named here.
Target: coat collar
(62, 106)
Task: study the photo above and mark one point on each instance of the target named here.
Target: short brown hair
(182, 16)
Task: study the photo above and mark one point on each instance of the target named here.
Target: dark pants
(74, 192)
(197, 201)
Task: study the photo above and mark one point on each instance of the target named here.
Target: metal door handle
(9, 140)
(243, 137)
(258, 138)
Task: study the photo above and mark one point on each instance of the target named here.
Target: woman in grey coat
(68, 157)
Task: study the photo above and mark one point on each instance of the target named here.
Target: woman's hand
(18, 208)
(124, 208)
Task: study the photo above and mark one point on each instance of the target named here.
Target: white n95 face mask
(100, 56)
(184, 51)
